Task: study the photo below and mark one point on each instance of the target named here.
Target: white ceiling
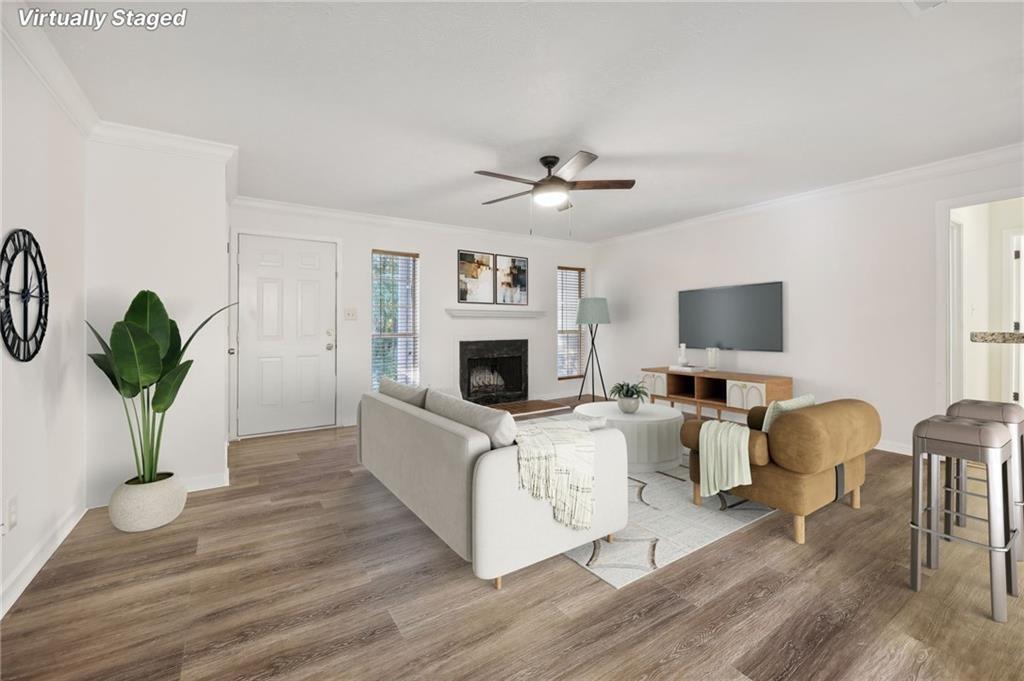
(389, 109)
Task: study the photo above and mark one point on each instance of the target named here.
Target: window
(570, 335)
(395, 303)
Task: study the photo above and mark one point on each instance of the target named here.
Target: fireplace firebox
(493, 372)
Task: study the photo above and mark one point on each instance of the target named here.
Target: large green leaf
(136, 354)
(205, 322)
(148, 312)
(167, 388)
(106, 365)
(173, 354)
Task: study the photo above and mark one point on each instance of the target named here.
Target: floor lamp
(592, 312)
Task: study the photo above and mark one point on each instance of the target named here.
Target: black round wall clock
(24, 295)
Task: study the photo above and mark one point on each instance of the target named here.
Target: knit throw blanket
(724, 456)
(556, 463)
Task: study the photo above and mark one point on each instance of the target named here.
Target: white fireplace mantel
(499, 312)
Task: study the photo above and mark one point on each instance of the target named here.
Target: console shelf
(721, 391)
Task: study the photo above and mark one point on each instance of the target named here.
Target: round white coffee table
(652, 433)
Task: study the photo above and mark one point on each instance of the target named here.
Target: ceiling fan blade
(602, 184)
(506, 198)
(565, 206)
(575, 165)
(510, 178)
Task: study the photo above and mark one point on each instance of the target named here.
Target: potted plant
(629, 395)
(144, 363)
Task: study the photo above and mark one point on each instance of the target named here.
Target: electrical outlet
(351, 314)
(12, 514)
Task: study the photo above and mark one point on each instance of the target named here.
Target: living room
(474, 289)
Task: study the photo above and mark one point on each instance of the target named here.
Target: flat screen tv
(745, 317)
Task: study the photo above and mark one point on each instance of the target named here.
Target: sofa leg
(497, 583)
(798, 528)
(610, 538)
(855, 497)
(696, 494)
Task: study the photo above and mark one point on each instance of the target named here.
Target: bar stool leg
(1016, 485)
(961, 486)
(916, 518)
(952, 496)
(932, 538)
(1010, 511)
(996, 537)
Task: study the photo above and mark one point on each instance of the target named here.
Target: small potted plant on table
(144, 363)
(629, 395)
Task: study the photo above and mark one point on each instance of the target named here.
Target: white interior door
(287, 341)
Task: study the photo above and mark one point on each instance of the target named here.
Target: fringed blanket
(724, 456)
(556, 463)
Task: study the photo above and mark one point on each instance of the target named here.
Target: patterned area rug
(664, 526)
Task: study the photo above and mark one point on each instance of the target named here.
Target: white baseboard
(895, 447)
(201, 482)
(23, 574)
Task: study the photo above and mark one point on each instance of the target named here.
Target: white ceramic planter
(138, 507)
(629, 405)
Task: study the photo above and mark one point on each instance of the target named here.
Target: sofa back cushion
(410, 394)
(498, 425)
(814, 439)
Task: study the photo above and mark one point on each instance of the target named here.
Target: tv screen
(732, 317)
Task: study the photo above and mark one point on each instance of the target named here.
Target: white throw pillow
(494, 423)
(777, 408)
(410, 394)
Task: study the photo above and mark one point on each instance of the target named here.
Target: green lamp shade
(592, 311)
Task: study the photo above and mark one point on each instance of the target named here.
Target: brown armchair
(798, 466)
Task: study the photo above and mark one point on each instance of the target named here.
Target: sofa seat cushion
(796, 493)
(498, 425)
(757, 445)
(410, 394)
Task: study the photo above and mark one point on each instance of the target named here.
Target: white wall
(437, 245)
(864, 299)
(43, 411)
(976, 286)
(156, 218)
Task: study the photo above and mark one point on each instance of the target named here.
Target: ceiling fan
(553, 190)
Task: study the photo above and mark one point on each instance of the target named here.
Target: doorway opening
(986, 294)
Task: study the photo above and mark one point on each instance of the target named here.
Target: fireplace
(492, 372)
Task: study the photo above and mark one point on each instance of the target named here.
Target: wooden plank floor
(307, 568)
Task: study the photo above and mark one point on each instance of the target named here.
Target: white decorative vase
(629, 405)
(712, 358)
(136, 507)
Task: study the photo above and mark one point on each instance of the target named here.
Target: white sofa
(468, 493)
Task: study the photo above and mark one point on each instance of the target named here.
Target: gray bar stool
(984, 442)
(1012, 416)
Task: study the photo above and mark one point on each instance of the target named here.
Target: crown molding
(43, 60)
(1007, 155)
(384, 221)
(105, 132)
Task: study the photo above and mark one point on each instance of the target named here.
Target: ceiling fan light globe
(550, 197)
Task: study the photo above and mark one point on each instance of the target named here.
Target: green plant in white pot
(629, 395)
(145, 363)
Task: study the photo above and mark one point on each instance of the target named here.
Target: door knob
(330, 346)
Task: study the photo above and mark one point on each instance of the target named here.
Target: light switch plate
(351, 314)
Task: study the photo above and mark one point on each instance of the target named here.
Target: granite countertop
(997, 337)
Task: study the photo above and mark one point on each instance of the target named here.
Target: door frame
(233, 272)
(944, 297)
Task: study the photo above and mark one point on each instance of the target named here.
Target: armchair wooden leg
(696, 494)
(497, 583)
(855, 497)
(610, 538)
(798, 529)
